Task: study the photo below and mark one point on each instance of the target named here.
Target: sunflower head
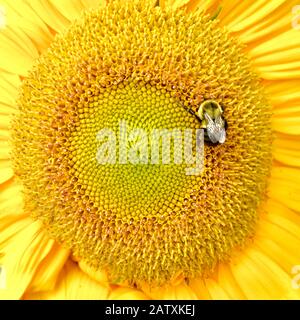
(138, 63)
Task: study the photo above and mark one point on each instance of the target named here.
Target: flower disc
(137, 64)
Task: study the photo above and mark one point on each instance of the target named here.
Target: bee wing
(215, 130)
(220, 124)
(210, 129)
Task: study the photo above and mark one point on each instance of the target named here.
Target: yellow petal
(279, 71)
(6, 110)
(282, 93)
(46, 274)
(291, 158)
(97, 275)
(278, 235)
(274, 22)
(6, 171)
(70, 9)
(11, 202)
(277, 281)
(284, 187)
(265, 274)
(254, 12)
(19, 15)
(72, 284)
(19, 237)
(278, 61)
(9, 84)
(123, 293)
(285, 173)
(287, 149)
(17, 51)
(228, 283)
(256, 22)
(200, 288)
(275, 75)
(285, 41)
(24, 246)
(282, 256)
(4, 135)
(286, 193)
(12, 218)
(252, 280)
(90, 4)
(5, 148)
(288, 124)
(278, 57)
(287, 111)
(238, 15)
(5, 121)
(216, 291)
(281, 236)
(46, 11)
(209, 6)
(284, 217)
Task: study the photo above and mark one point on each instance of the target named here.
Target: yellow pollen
(134, 63)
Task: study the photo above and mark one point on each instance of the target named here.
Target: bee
(210, 116)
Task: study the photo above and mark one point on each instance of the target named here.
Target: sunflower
(72, 228)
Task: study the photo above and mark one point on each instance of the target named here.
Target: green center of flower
(128, 152)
